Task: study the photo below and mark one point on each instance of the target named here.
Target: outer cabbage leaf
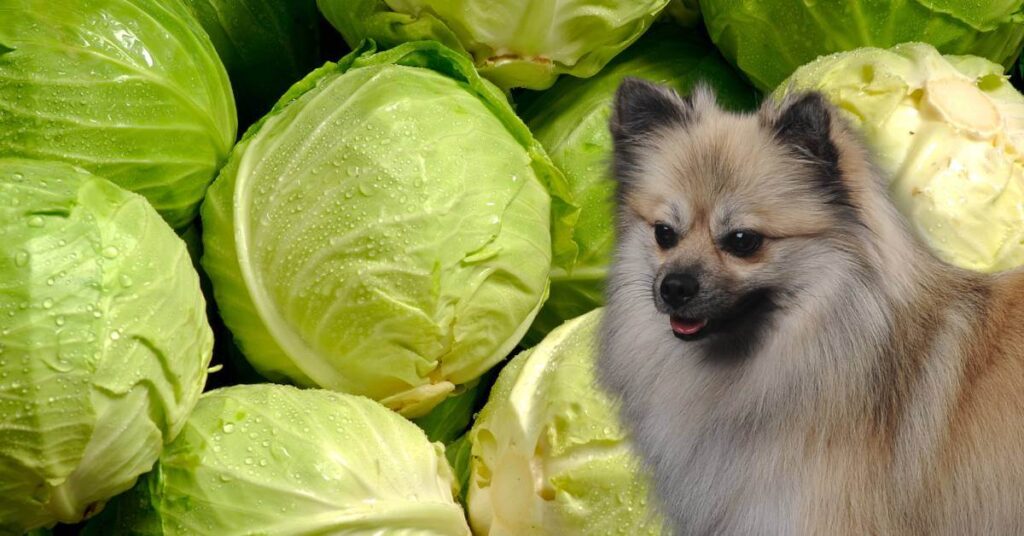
(266, 46)
(131, 90)
(514, 43)
(571, 121)
(549, 456)
(104, 342)
(273, 459)
(387, 230)
(452, 418)
(193, 238)
(948, 131)
(459, 454)
(686, 13)
(769, 39)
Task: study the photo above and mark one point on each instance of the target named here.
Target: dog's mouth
(688, 329)
(741, 320)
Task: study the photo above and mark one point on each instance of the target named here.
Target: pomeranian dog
(788, 357)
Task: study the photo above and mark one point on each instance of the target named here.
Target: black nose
(677, 289)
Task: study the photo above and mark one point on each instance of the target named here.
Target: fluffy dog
(788, 357)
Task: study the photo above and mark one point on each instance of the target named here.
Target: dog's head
(725, 218)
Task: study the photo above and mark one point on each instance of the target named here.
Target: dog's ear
(640, 108)
(804, 123)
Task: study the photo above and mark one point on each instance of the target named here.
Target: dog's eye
(742, 243)
(665, 235)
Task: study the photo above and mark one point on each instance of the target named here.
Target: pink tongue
(687, 327)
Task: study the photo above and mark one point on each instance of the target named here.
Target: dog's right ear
(640, 108)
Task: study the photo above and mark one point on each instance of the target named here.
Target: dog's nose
(677, 289)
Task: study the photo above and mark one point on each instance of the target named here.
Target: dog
(786, 354)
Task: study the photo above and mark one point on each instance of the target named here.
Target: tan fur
(887, 396)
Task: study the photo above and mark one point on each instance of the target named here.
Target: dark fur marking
(640, 108)
(747, 324)
(733, 336)
(805, 125)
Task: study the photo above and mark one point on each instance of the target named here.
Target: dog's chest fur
(723, 473)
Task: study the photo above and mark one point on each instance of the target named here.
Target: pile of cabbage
(337, 266)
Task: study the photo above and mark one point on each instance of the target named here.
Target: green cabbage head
(104, 343)
(131, 90)
(386, 230)
(549, 456)
(571, 121)
(514, 43)
(769, 39)
(949, 133)
(273, 459)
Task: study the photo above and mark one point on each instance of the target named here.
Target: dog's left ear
(804, 123)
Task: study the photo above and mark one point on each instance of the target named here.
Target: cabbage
(131, 90)
(948, 131)
(571, 121)
(193, 238)
(103, 341)
(768, 40)
(686, 13)
(266, 46)
(459, 454)
(514, 43)
(549, 456)
(272, 459)
(451, 419)
(386, 230)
